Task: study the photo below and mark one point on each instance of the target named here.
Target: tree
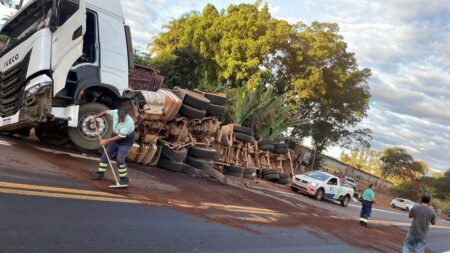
(365, 159)
(396, 162)
(437, 175)
(442, 186)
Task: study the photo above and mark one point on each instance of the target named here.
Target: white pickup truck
(322, 185)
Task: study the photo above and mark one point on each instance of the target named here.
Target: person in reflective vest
(118, 145)
(368, 199)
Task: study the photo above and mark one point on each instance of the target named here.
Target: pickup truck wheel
(294, 189)
(55, 136)
(85, 135)
(393, 206)
(407, 209)
(345, 201)
(319, 194)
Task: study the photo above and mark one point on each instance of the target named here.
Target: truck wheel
(319, 194)
(55, 136)
(85, 135)
(393, 206)
(345, 201)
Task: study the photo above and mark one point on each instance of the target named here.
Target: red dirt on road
(236, 206)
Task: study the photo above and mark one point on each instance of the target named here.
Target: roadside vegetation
(282, 78)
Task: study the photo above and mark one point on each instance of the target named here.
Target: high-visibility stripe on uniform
(123, 174)
(364, 220)
(103, 165)
(101, 169)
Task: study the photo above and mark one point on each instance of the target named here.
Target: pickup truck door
(331, 189)
(67, 40)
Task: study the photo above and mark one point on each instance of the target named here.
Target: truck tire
(197, 101)
(174, 155)
(207, 168)
(269, 171)
(191, 171)
(85, 135)
(216, 110)
(267, 147)
(216, 99)
(244, 137)
(281, 151)
(234, 174)
(52, 135)
(271, 177)
(166, 164)
(265, 142)
(204, 153)
(345, 201)
(244, 130)
(283, 181)
(191, 112)
(233, 169)
(319, 194)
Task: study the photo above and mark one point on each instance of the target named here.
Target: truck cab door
(69, 26)
(331, 188)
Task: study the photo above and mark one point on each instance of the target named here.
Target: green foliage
(442, 186)
(405, 190)
(365, 159)
(308, 66)
(443, 205)
(437, 175)
(396, 162)
(261, 110)
(426, 190)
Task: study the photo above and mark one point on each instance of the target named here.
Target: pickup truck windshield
(318, 175)
(33, 18)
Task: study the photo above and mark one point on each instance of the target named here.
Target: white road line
(377, 209)
(5, 143)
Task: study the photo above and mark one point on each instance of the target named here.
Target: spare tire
(244, 137)
(269, 171)
(197, 101)
(206, 153)
(233, 169)
(267, 147)
(216, 99)
(271, 177)
(191, 112)
(281, 151)
(216, 110)
(170, 165)
(244, 130)
(174, 155)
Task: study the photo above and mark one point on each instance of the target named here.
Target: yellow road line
(404, 224)
(57, 189)
(67, 196)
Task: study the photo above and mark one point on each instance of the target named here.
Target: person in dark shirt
(423, 215)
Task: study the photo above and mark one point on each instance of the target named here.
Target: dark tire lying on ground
(188, 169)
(174, 155)
(206, 167)
(216, 99)
(216, 110)
(244, 137)
(196, 101)
(267, 147)
(281, 145)
(166, 164)
(191, 112)
(206, 153)
(269, 171)
(244, 130)
(271, 177)
(283, 181)
(249, 176)
(233, 169)
(285, 175)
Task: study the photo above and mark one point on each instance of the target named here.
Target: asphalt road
(43, 209)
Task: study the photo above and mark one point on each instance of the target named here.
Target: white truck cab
(322, 185)
(65, 61)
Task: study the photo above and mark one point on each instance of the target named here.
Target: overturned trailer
(181, 130)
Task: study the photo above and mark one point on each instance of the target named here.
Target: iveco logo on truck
(11, 60)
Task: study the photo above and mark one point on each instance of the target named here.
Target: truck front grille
(12, 85)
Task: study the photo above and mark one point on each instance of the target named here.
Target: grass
(441, 204)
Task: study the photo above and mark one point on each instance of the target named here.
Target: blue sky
(406, 44)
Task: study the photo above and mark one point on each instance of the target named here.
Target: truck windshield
(31, 19)
(317, 175)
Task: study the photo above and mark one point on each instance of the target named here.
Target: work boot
(98, 176)
(124, 180)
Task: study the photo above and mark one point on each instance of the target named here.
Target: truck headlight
(31, 91)
(313, 184)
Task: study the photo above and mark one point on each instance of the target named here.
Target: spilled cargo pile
(181, 130)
